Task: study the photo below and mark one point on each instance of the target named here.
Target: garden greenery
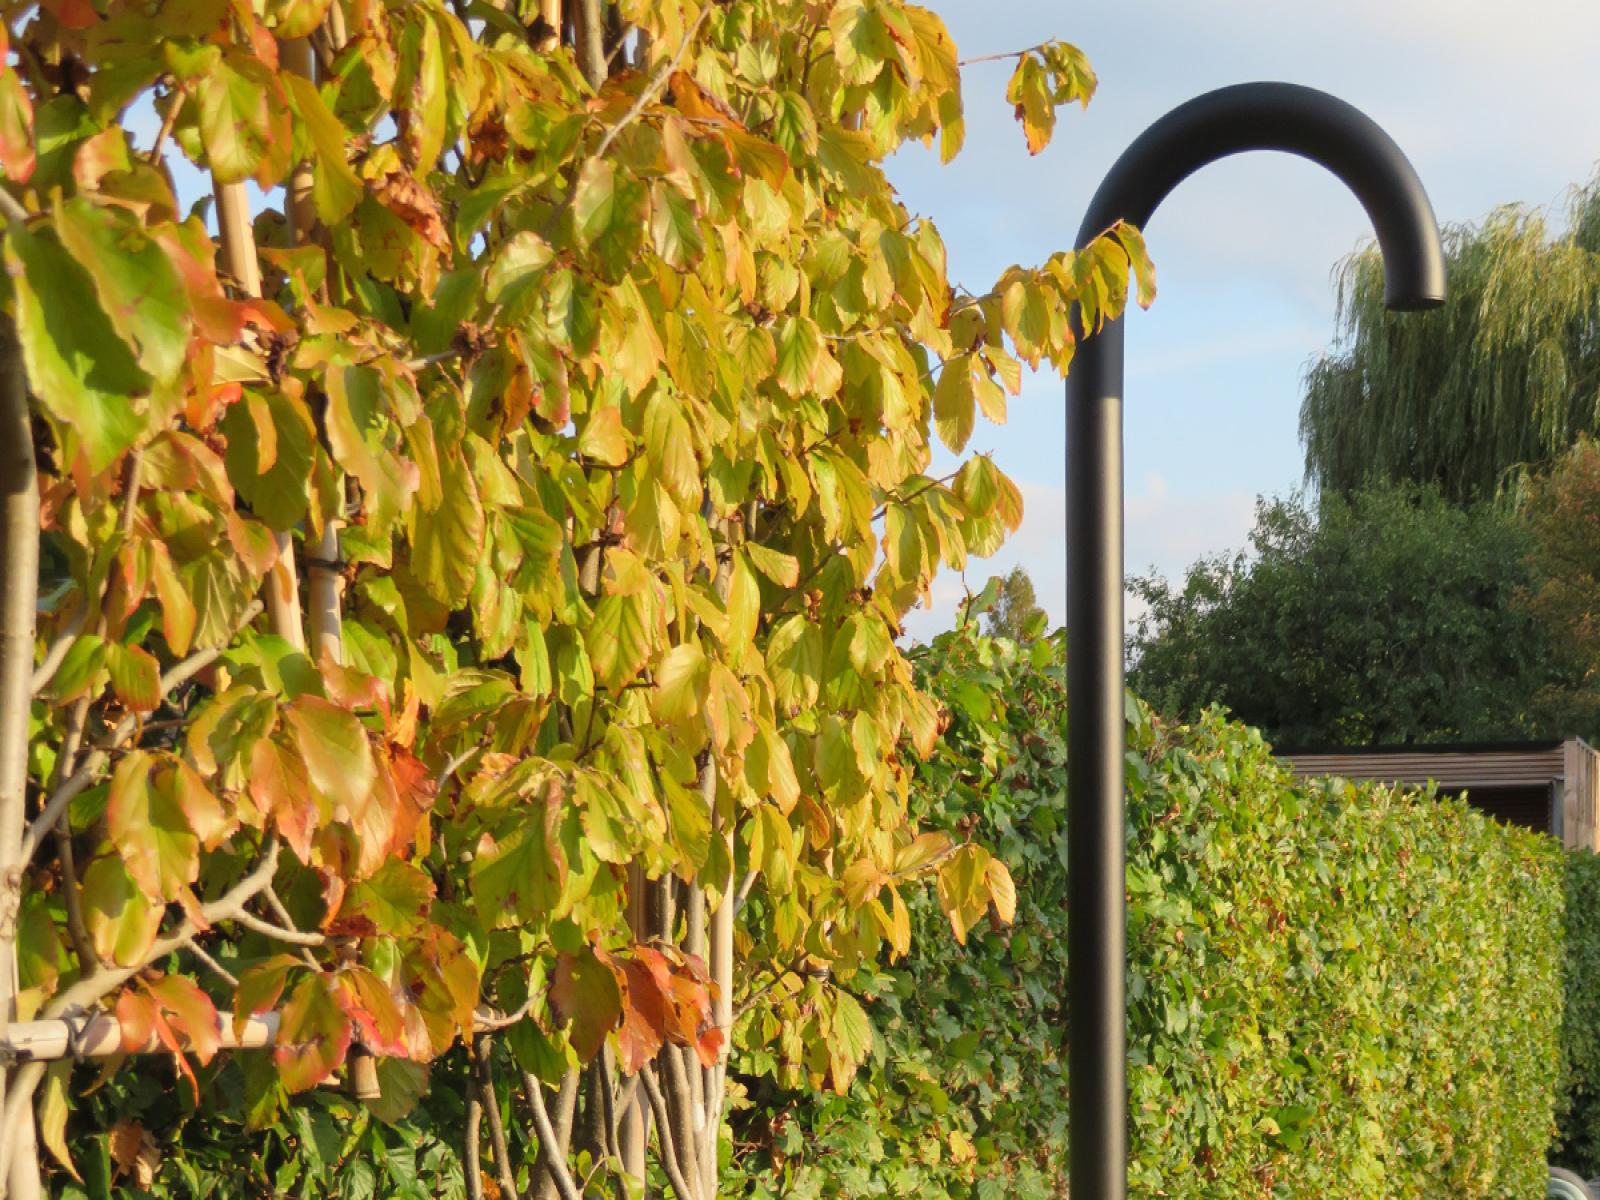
(1335, 990)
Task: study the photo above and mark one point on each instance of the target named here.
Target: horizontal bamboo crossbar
(100, 1036)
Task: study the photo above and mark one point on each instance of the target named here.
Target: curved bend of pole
(1297, 120)
(1253, 116)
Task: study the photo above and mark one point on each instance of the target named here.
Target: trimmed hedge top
(1336, 990)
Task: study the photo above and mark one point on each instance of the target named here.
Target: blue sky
(1492, 105)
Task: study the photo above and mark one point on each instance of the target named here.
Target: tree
(1561, 509)
(1390, 617)
(448, 581)
(1016, 614)
(1467, 399)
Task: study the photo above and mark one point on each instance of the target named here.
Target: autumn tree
(451, 600)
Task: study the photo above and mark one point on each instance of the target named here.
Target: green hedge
(1578, 1116)
(1336, 991)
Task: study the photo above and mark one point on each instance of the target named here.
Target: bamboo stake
(19, 580)
(282, 588)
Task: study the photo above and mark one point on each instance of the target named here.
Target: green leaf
(620, 639)
(861, 41)
(53, 1109)
(794, 660)
(277, 484)
(396, 899)
(783, 569)
(149, 829)
(800, 354)
(244, 121)
(122, 922)
(335, 188)
(135, 676)
(680, 678)
(446, 542)
(77, 365)
(336, 751)
(955, 404)
(675, 227)
(594, 200)
(138, 286)
(523, 877)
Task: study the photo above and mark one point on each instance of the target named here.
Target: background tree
(470, 580)
(1561, 509)
(1500, 380)
(1388, 617)
(1016, 613)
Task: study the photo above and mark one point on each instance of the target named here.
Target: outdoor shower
(1251, 116)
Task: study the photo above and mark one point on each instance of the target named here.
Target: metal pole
(1252, 116)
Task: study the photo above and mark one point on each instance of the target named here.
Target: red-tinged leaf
(136, 1014)
(313, 1034)
(205, 814)
(708, 1047)
(73, 14)
(178, 616)
(16, 128)
(190, 1013)
(396, 899)
(252, 542)
(371, 1004)
(525, 875)
(586, 994)
(282, 790)
(244, 121)
(149, 828)
(411, 201)
(135, 676)
(442, 980)
(337, 754)
(259, 988)
(352, 689)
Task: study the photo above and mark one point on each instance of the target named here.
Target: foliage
(1578, 1107)
(1016, 613)
(1500, 380)
(1335, 990)
(1388, 617)
(1561, 509)
(571, 421)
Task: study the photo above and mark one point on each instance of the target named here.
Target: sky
(1492, 106)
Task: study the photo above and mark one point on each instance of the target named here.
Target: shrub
(1578, 1144)
(1335, 990)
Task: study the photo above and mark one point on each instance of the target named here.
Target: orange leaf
(413, 203)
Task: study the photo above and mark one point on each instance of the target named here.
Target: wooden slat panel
(1448, 769)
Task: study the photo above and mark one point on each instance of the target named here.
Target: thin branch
(294, 937)
(91, 766)
(217, 968)
(86, 993)
(167, 122)
(556, 1156)
(10, 208)
(53, 657)
(669, 1150)
(988, 58)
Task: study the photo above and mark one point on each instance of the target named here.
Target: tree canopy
(1016, 613)
(1392, 616)
(1500, 380)
(471, 577)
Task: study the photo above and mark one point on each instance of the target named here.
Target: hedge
(1335, 990)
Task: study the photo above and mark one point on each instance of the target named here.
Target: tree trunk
(19, 586)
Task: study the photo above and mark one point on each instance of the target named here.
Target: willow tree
(468, 582)
(1500, 380)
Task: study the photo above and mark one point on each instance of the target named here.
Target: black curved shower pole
(1250, 116)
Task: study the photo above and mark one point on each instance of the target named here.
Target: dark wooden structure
(1549, 786)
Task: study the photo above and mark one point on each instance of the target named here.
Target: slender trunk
(19, 584)
(282, 588)
(483, 1073)
(633, 1132)
(591, 29)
